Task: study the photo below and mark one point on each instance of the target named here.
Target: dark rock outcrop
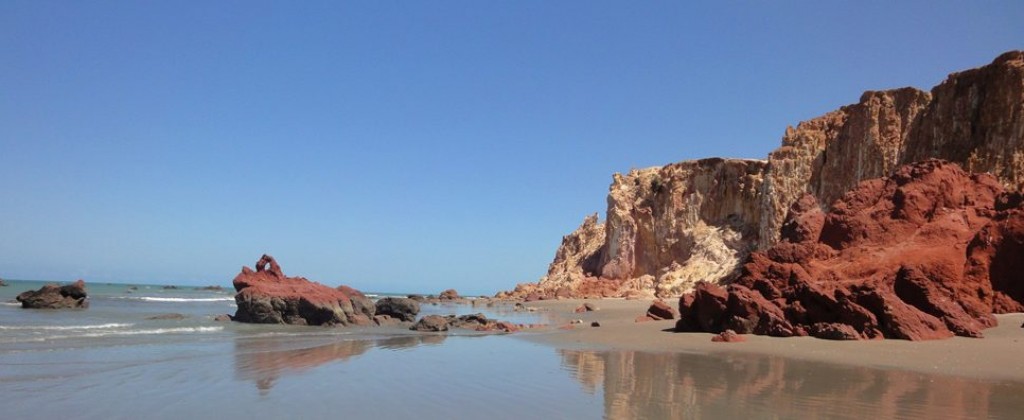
(431, 323)
(51, 296)
(267, 296)
(475, 322)
(399, 308)
(929, 252)
(212, 288)
(166, 317)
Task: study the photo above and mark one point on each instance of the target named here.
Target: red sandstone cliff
(922, 254)
(667, 228)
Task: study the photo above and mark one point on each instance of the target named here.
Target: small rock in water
(431, 323)
(167, 316)
(52, 296)
(595, 324)
(222, 318)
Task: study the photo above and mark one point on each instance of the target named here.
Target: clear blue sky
(406, 146)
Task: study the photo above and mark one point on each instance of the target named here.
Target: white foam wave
(170, 299)
(10, 303)
(64, 327)
(176, 299)
(178, 330)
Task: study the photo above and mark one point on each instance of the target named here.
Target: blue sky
(406, 146)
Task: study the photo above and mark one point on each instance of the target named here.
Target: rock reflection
(265, 359)
(649, 385)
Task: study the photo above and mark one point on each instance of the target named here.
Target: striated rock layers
(267, 296)
(669, 227)
(52, 296)
(929, 252)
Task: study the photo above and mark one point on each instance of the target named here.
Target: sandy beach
(994, 357)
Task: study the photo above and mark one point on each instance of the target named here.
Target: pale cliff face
(669, 227)
(682, 222)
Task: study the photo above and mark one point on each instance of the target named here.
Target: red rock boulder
(659, 310)
(929, 252)
(267, 296)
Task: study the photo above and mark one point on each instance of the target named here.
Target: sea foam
(111, 333)
(64, 327)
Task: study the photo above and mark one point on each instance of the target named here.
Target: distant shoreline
(995, 357)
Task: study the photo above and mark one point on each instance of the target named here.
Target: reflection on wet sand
(263, 360)
(648, 385)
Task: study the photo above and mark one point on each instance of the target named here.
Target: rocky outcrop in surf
(929, 252)
(667, 228)
(266, 296)
(402, 309)
(51, 296)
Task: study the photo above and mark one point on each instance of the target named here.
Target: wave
(63, 327)
(170, 299)
(10, 303)
(177, 330)
(176, 299)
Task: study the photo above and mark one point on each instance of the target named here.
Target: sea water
(111, 361)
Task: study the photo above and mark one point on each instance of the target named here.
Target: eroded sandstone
(926, 253)
(667, 228)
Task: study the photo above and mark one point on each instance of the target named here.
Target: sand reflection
(648, 385)
(264, 360)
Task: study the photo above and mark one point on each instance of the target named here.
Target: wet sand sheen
(995, 357)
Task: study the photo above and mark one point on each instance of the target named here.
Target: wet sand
(995, 357)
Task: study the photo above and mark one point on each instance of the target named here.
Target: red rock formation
(926, 253)
(659, 310)
(267, 296)
(52, 296)
(669, 227)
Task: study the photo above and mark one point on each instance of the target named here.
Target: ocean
(112, 361)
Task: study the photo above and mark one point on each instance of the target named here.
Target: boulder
(728, 336)
(403, 309)
(51, 296)
(385, 320)
(266, 296)
(660, 310)
(360, 303)
(431, 323)
(449, 294)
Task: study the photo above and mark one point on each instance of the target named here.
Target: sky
(406, 146)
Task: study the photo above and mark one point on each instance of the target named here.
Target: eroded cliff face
(828, 155)
(681, 223)
(669, 227)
